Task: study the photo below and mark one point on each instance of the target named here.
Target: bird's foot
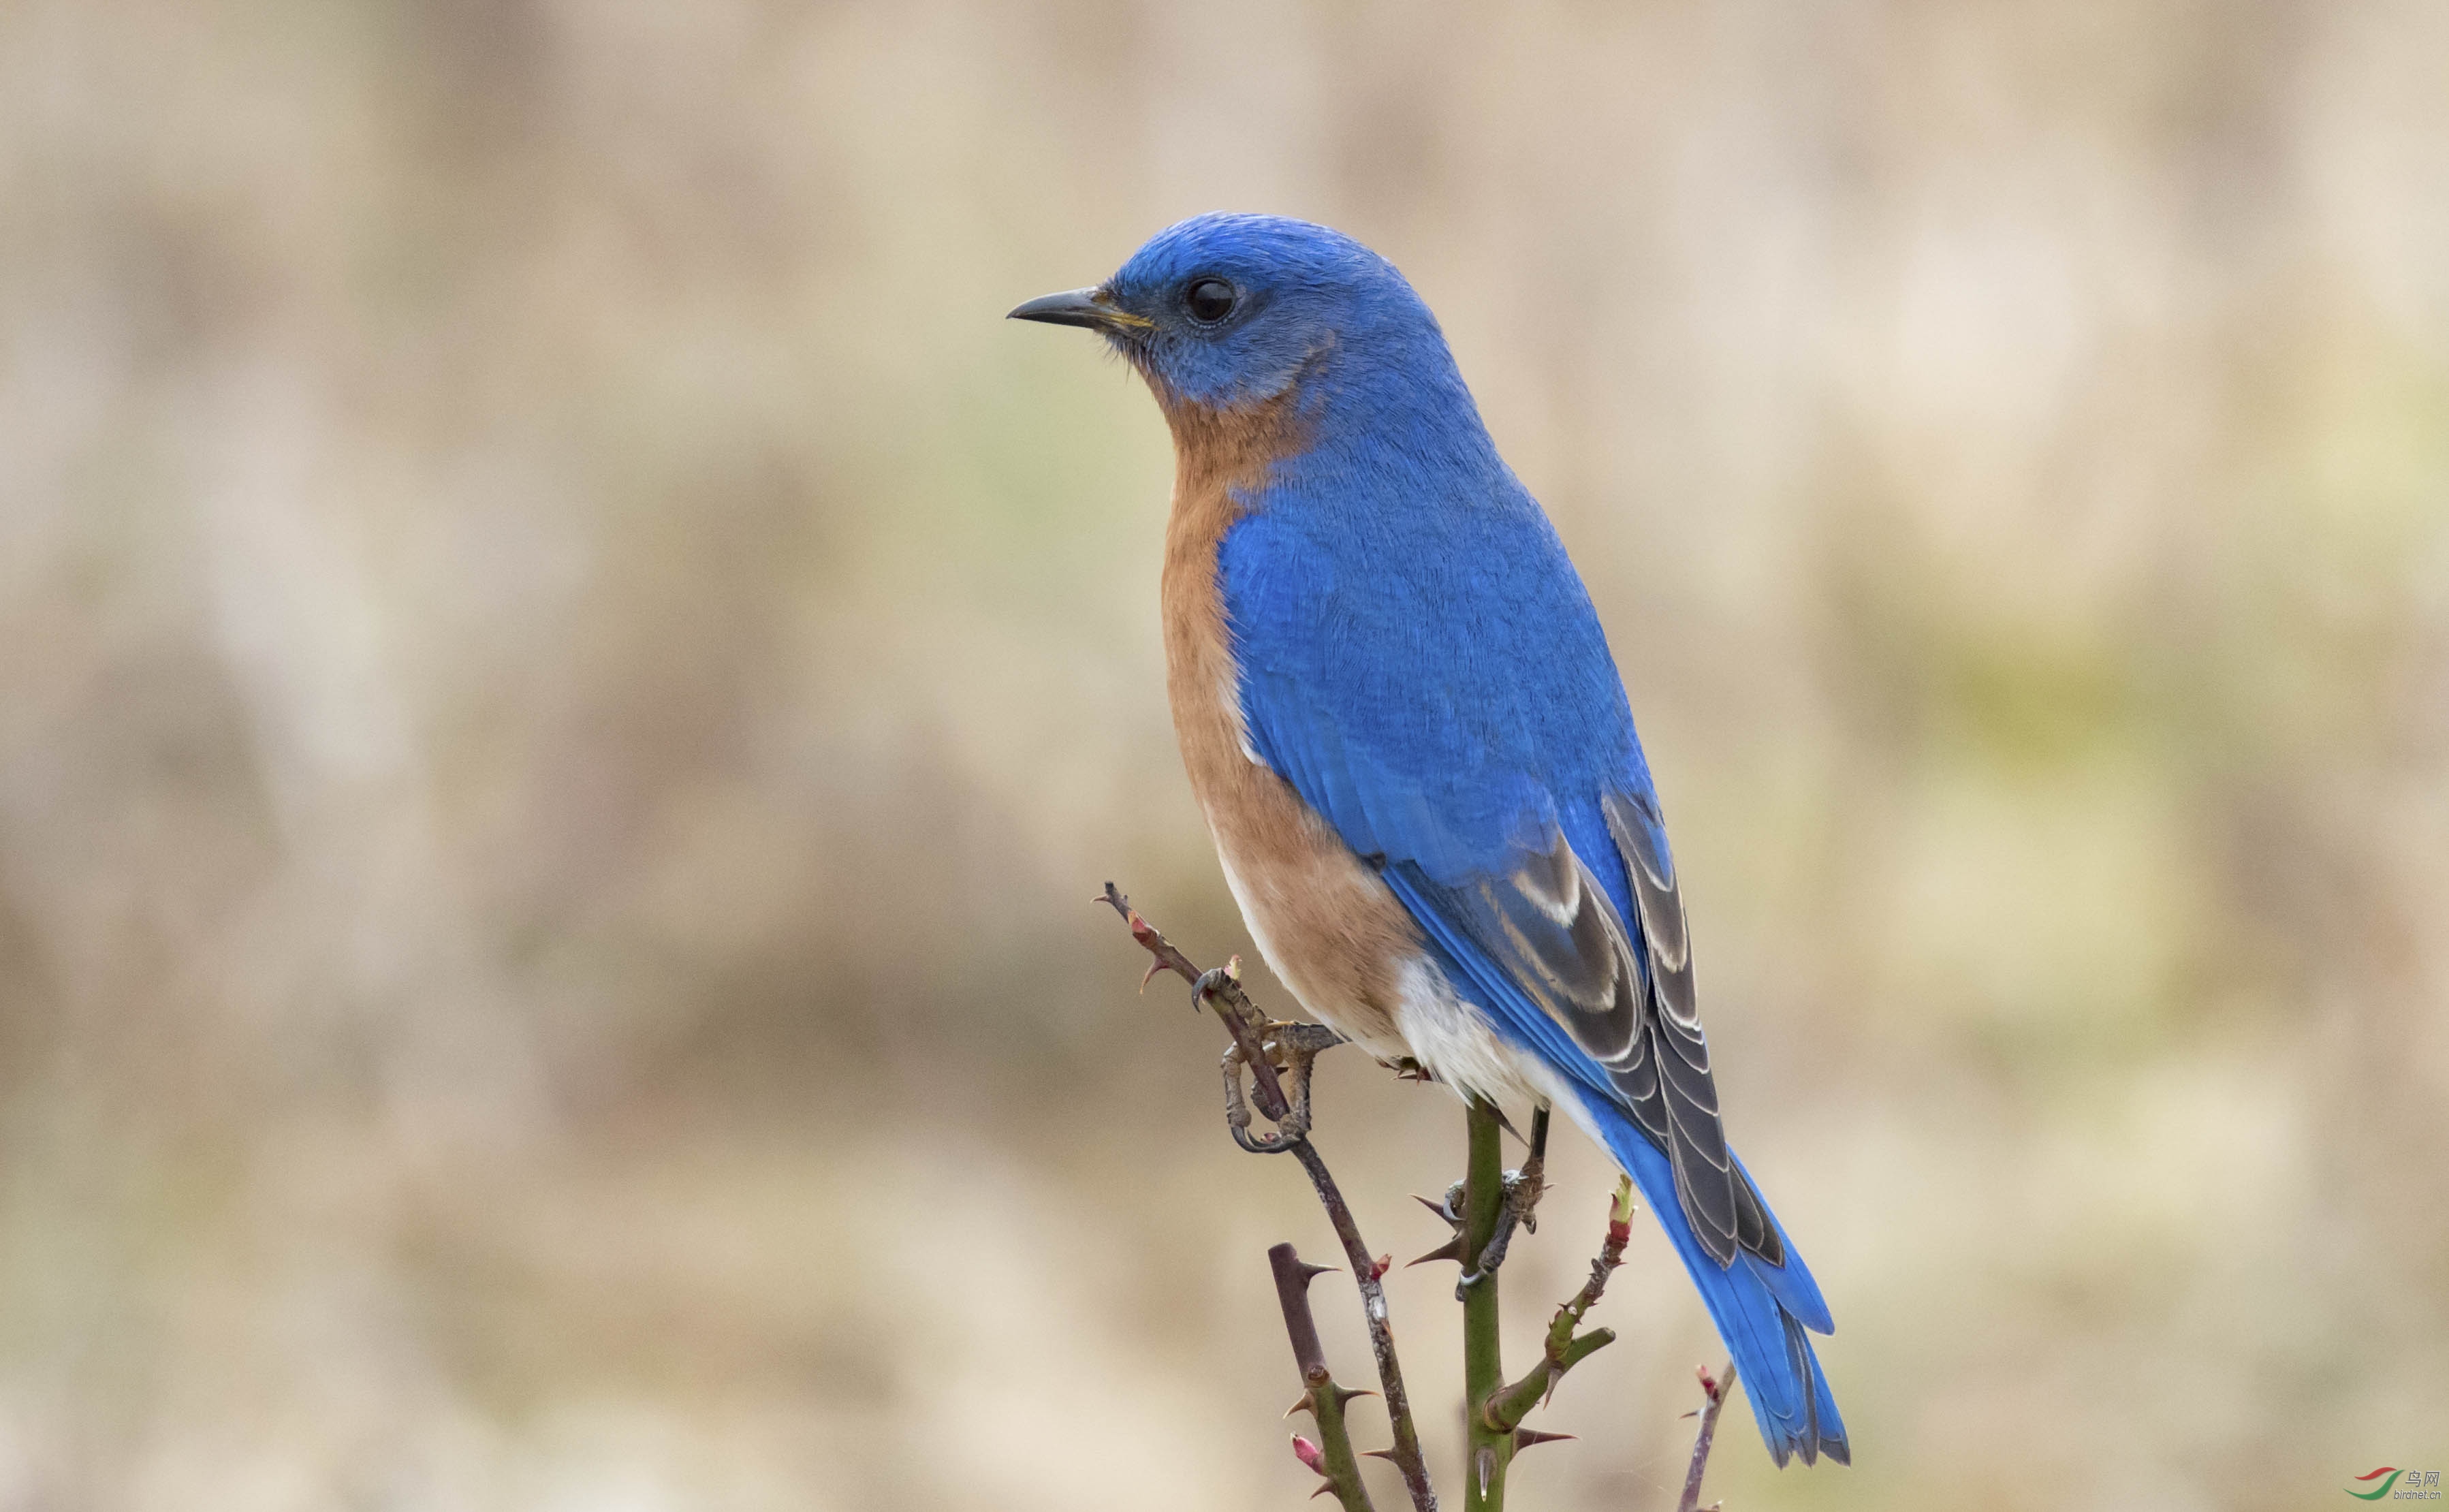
(1523, 1188)
(1292, 1048)
(1292, 1044)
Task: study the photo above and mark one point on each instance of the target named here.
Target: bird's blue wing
(1449, 706)
(1460, 725)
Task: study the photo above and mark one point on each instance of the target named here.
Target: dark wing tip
(1753, 1230)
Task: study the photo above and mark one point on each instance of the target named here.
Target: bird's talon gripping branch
(1291, 1042)
(1292, 1048)
(1292, 1125)
(1522, 1188)
(1211, 983)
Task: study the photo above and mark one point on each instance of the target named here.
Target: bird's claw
(1291, 1047)
(1213, 980)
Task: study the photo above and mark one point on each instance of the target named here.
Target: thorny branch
(1564, 1347)
(1331, 1456)
(1716, 1392)
(1484, 1209)
(1249, 1028)
(1483, 1215)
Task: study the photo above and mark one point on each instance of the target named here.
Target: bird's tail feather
(1760, 1310)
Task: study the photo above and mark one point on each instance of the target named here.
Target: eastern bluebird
(1414, 751)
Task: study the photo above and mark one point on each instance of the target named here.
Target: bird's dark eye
(1210, 300)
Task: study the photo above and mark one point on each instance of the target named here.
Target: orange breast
(1326, 924)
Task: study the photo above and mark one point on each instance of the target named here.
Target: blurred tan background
(568, 683)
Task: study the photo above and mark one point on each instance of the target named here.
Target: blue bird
(1403, 722)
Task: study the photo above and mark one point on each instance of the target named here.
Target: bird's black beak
(1086, 307)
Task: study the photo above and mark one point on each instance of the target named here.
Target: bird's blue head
(1223, 311)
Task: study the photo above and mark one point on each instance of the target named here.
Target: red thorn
(1309, 1454)
(1380, 1266)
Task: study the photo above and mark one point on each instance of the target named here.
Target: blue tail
(1761, 1310)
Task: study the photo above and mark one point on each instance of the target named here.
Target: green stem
(1341, 1469)
(1331, 1457)
(1489, 1450)
(1564, 1347)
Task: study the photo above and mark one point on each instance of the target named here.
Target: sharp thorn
(1526, 1438)
(1311, 1272)
(1323, 1488)
(1437, 1208)
(1302, 1403)
(1387, 1455)
(1451, 1249)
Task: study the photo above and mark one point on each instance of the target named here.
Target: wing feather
(1624, 996)
(1640, 835)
